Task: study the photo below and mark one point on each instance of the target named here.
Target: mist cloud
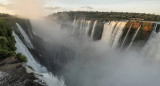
(29, 8)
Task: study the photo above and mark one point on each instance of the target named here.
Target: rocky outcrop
(12, 73)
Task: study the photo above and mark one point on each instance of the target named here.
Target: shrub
(21, 57)
(4, 54)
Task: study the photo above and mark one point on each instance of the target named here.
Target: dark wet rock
(12, 73)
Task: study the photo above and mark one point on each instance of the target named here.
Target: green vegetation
(109, 15)
(21, 57)
(7, 41)
(4, 15)
(4, 54)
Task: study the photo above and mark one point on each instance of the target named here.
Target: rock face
(12, 73)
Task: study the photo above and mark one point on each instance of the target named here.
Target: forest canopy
(108, 15)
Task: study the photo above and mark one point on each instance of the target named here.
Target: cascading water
(21, 48)
(108, 34)
(82, 26)
(152, 48)
(25, 36)
(87, 27)
(124, 40)
(118, 34)
(134, 36)
(153, 32)
(93, 29)
(105, 31)
(46, 77)
(112, 33)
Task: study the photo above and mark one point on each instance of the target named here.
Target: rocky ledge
(13, 73)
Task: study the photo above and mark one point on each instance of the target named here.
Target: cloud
(52, 8)
(4, 5)
(86, 7)
(6, 8)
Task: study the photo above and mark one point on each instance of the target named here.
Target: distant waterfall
(124, 40)
(108, 29)
(112, 33)
(81, 27)
(153, 32)
(152, 48)
(25, 36)
(134, 37)
(87, 27)
(93, 30)
(118, 34)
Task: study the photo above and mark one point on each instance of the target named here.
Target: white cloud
(53, 8)
(86, 7)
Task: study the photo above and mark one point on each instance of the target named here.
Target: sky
(51, 6)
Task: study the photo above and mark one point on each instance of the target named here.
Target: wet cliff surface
(12, 73)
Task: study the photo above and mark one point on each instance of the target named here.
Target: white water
(112, 33)
(126, 35)
(105, 31)
(93, 30)
(134, 37)
(109, 29)
(153, 32)
(82, 26)
(21, 48)
(48, 78)
(25, 36)
(87, 27)
(152, 48)
(118, 34)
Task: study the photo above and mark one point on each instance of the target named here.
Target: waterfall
(46, 77)
(21, 48)
(105, 31)
(134, 36)
(152, 48)
(112, 33)
(108, 32)
(82, 26)
(93, 29)
(25, 36)
(124, 40)
(74, 22)
(87, 27)
(153, 32)
(118, 34)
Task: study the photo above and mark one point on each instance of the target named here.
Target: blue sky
(143, 6)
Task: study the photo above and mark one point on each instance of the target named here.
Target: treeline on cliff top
(7, 41)
(108, 15)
